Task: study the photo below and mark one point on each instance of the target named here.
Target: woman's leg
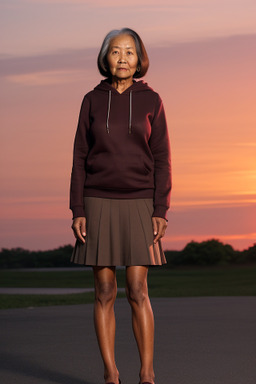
(104, 318)
(142, 318)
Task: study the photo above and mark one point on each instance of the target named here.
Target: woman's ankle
(148, 377)
(111, 376)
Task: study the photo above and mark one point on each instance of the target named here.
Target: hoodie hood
(106, 86)
(137, 86)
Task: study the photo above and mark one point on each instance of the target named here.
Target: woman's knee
(137, 292)
(105, 292)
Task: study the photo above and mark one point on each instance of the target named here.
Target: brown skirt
(119, 232)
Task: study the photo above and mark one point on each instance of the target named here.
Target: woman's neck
(121, 84)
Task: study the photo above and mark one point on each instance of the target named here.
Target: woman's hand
(78, 227)
(159, 227)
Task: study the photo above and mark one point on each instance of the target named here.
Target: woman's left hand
(159, 227)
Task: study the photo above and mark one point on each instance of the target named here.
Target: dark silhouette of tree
(250, 254)
(23, 258)
(209, 252)
(206, 253)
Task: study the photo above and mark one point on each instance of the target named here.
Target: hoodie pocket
(118, 171)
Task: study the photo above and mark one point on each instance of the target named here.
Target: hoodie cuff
(78, 211)
(160, 211)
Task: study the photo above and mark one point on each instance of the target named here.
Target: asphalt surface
(47, 291)
(207, 340)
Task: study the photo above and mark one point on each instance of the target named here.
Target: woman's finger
(155, 227)
(78, 227)
(83, 228)
(161, 227)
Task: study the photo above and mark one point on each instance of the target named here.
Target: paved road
(47, 291)
(198, 341)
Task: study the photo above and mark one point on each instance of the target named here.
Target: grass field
(163, 282)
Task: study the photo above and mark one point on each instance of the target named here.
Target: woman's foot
(147, 378)
(146, 382)
(111, 376)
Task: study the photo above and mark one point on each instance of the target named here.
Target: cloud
(37, 25)
(198, 53)
(224, 238)
(132, 3)
(46, 78)
(68, 60)
(218, 202)
(245, 144)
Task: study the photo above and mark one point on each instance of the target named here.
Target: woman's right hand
(78, 226)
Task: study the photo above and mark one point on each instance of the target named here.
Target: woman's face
(122, 57)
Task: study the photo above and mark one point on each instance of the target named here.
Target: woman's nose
(122, 58)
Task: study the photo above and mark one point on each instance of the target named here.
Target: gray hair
(143, 62)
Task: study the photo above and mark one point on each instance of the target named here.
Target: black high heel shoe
(114, 383)
(145, 382)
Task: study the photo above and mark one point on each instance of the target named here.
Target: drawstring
(130, 112)
(109, 102)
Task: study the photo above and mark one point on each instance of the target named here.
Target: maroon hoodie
(121, 148)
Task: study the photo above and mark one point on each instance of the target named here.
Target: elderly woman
(120, 192)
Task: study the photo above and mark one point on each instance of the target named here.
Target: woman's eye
(129, 53)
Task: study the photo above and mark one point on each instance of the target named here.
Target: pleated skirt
(119, 232)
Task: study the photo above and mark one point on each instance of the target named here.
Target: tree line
(205, 253)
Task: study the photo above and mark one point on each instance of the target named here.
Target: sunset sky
(202, 63)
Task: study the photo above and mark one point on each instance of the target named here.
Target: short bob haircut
(143, 62)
